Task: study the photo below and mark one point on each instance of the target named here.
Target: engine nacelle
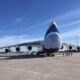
(78, 48)
(7, 50)
(70, 47)
(17, 49)
(29, 47)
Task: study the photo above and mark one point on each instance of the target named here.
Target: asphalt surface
(40, 68)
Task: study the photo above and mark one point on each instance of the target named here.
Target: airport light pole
(78, 48)
(77, 40)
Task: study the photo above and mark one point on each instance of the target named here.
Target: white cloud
(11, 40)
(71, 23)
(66, 16)
(71, 36)
(71, 33)
(70, 14)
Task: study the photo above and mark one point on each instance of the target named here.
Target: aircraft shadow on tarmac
(20, 57)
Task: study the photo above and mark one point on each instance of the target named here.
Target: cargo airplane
(51, 43)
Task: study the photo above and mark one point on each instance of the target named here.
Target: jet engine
(78, 48)
(29, 47)
(17, 49)
(70, 47)
(6, 50)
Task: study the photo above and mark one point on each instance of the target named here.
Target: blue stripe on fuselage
(52, 28)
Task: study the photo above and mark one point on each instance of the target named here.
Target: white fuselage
(53, 41)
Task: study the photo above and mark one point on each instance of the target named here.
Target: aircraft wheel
(53, 55)
(38, 54)
(31, 54)
(48, 54)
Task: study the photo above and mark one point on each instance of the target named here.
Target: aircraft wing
(33, 43)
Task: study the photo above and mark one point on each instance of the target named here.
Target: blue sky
(26, 20)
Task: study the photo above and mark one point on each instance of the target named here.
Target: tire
(53, 55)
(48, 54)
(38, 54)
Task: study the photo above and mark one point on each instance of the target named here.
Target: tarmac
(21, 67)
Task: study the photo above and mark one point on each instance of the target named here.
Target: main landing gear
(45, 53)
(50, 54)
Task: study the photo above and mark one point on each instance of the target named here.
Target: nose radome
(52, 28)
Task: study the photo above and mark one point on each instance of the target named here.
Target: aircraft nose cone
(52, 28)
